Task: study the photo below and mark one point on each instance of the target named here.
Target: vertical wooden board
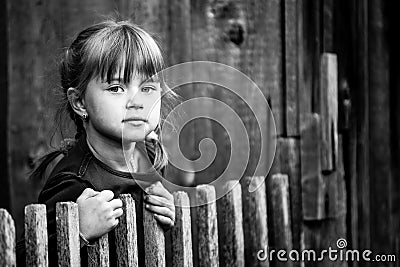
(361, 139)
(329, 111)
(181, 233)
(290, 154)
(231, 240)
(327, 37)
(254, 206)
(36, 242)
(291, 83)
(68, 242)
(203, 48)
(207, 226)
(279, 211)
(253, 63)
(7, 239)
(180, 43)
(126, 234)
(273, 67)
(32, 75)
(308, 42)
(314, 38)
(154, 240)
(313, 187)
(98, 254)
(380, 154)
(228, 25)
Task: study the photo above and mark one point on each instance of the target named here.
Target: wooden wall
(282, 46)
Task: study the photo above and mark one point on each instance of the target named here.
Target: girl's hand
(98, 212)
(161, 203)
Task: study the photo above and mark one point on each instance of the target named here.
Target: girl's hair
(100, 51)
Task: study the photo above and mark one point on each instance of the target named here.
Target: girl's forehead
(132, 78)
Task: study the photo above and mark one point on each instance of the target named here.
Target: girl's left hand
(161, 202)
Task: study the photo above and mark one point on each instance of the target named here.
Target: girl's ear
(76, 101)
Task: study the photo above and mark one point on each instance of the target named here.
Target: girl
(111, 90)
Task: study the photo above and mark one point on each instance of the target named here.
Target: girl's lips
(136, 122)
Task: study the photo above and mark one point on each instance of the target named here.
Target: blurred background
(328, 68)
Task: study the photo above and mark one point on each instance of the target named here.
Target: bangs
(122, 52)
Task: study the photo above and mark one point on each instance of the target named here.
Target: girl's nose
(133, 103)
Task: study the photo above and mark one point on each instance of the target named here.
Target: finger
(161, 211)
(159, 201)
(118, 213)
(87, 193)
(116, 203)
(166, 221)
(159, 190)
(106, 195)
(114, 223)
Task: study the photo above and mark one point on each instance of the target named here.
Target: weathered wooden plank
(380, 153)
(254, 206)
(7, 239)
(68, 242)
(327, 26)
(253, 62)
(273, 68)
(36, 243)
(279, 211)
(228, 25)
(207, 226)
(181, 233)
(126, 234)
(98, 253)
(361, 217)
(180, 39)
(290, 165)
(231, 238)
(312, 184)
(154, 240)
(329, 111)
(203, 48)
(291, 68)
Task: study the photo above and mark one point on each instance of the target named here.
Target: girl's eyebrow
(146, 80)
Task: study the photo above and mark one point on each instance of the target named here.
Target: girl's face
(116, 108)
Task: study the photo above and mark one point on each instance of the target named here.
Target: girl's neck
(108, 151)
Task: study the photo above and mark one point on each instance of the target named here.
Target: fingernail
(147, 205)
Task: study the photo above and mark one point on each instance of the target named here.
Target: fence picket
(312, 183)
(154, 240)
(181, 233)
(329, 111)
(98, 254)
(36, 241)
(68, 234)
(7, 239)
(254, 221)
(278, 196)
(126, 234)
(207, 226)
(231, 234)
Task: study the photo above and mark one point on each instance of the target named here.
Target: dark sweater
(79, 170)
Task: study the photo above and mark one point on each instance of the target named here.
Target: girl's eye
(147, 89)
(116, 89)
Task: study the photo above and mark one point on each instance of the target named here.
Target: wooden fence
(243, 233)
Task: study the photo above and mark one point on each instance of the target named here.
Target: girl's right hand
(98, 213)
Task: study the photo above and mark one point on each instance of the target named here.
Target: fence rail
(243, 218)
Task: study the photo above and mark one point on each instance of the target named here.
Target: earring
(84, 117)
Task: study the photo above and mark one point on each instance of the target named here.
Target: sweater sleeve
(60, 188)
